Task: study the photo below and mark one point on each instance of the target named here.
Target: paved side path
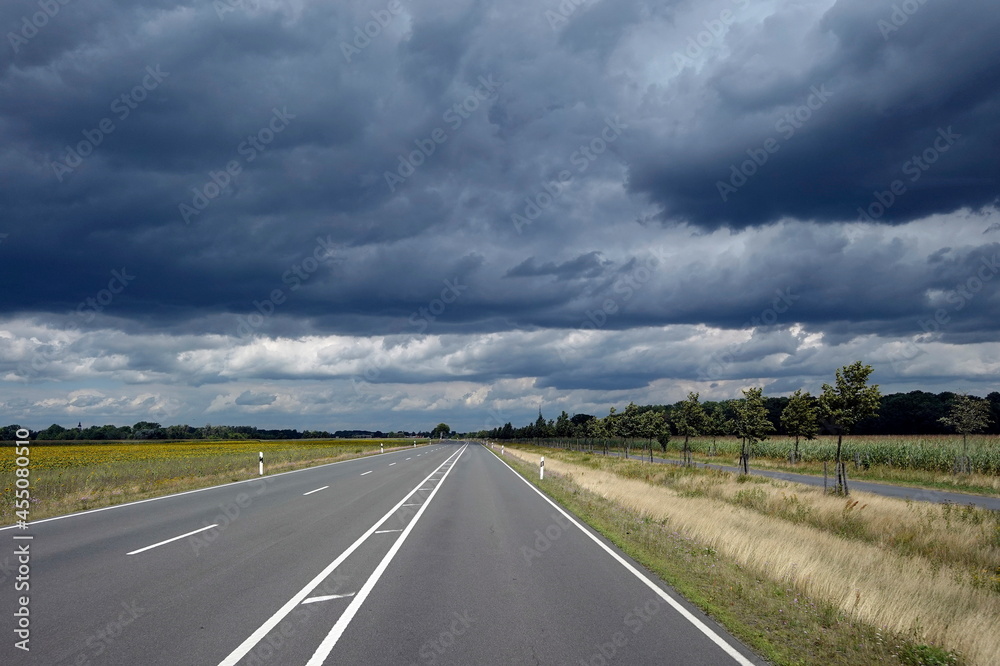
(885, 489)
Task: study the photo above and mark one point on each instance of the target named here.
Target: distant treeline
(913, 413)
(146, 430)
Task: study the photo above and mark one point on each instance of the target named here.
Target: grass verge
(785, 617)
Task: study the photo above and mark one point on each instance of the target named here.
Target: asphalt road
(438, 555)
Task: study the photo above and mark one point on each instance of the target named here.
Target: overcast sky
(386, 214)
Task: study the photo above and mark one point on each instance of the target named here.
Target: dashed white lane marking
(208, 527)
(328, 597)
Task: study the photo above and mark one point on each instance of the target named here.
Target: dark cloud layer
(180, 181)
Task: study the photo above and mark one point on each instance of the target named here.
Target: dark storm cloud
(312, 191)
(877, 96)
(588, 265)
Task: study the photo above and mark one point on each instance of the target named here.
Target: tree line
(913, 413)
(147, 430)
(848, 406)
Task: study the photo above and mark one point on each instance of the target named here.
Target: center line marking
(407, 458)
(391, 464)
(326, 647)
(262, 631)
(328, 597)
(315, 491)
(208, 527)
(368, 472)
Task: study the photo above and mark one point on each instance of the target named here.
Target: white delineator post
(262, 463)
(541, 469)
(381, 447)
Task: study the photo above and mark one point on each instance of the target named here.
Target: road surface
(435, 555)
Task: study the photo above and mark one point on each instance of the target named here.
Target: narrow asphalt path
(884, 489)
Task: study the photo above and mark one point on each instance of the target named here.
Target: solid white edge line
(196, 490)
(685, 613)
(207, 527)
(315, 491)
(263, 630)
(324, 649)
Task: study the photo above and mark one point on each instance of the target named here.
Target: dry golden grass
(872, 580)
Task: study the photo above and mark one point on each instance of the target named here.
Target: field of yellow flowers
(67, 478)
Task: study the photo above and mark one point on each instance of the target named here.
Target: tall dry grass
(925, 593)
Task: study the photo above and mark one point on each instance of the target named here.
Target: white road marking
(406, 459)
(391, 464)
(263, 630)
(256, 479)
(174, 539)
(368, 472)
(411, 505)
(386, 531)
(315, 491)
(313, 600)
(326, 647)
(685, 613)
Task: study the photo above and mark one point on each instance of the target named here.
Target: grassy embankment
(66, 477)
(801, 576)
